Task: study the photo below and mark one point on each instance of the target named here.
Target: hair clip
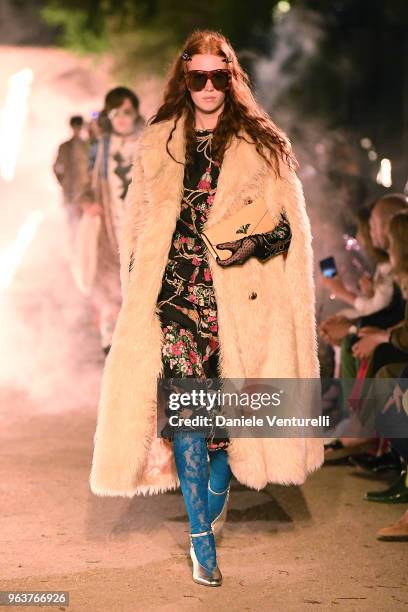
(227, 59)
(186, 56)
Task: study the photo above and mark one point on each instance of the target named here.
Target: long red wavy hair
(241, 110)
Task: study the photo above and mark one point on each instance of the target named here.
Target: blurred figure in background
(110, 164)
(71, 170)
(94, 128)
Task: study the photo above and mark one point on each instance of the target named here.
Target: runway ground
(285, 548)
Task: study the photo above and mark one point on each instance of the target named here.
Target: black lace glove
(261, 246)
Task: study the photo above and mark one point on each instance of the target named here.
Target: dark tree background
(357, 81)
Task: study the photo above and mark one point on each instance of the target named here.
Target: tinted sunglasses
(121, 112)
(196, 80)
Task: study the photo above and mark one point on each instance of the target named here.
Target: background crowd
(369, 340)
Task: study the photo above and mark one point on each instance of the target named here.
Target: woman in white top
(376, 292)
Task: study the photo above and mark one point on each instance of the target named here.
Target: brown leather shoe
(398, 532)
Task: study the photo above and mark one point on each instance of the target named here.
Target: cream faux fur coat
(272, 336)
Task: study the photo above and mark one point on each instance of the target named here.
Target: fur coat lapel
(231, 188)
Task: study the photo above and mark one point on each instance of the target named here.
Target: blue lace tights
(220, 476)
(191, 459)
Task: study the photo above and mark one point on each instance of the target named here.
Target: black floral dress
(186, 303)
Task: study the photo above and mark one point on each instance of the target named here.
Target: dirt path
(285, 548)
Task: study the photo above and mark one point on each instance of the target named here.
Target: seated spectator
(376, 292)
(390, 353)
(340, 330)
(394, 418)
(389, 346)
(383, 291)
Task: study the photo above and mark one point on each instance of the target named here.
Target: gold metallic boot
(201, 575)
(218, 523)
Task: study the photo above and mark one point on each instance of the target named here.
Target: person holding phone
(377, 294)
(370, 322)
(208, 150)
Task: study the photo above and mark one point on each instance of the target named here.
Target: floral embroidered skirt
(190, 350)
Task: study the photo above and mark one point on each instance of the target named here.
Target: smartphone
(328, 267)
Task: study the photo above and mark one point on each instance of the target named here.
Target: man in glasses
(110, 165)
